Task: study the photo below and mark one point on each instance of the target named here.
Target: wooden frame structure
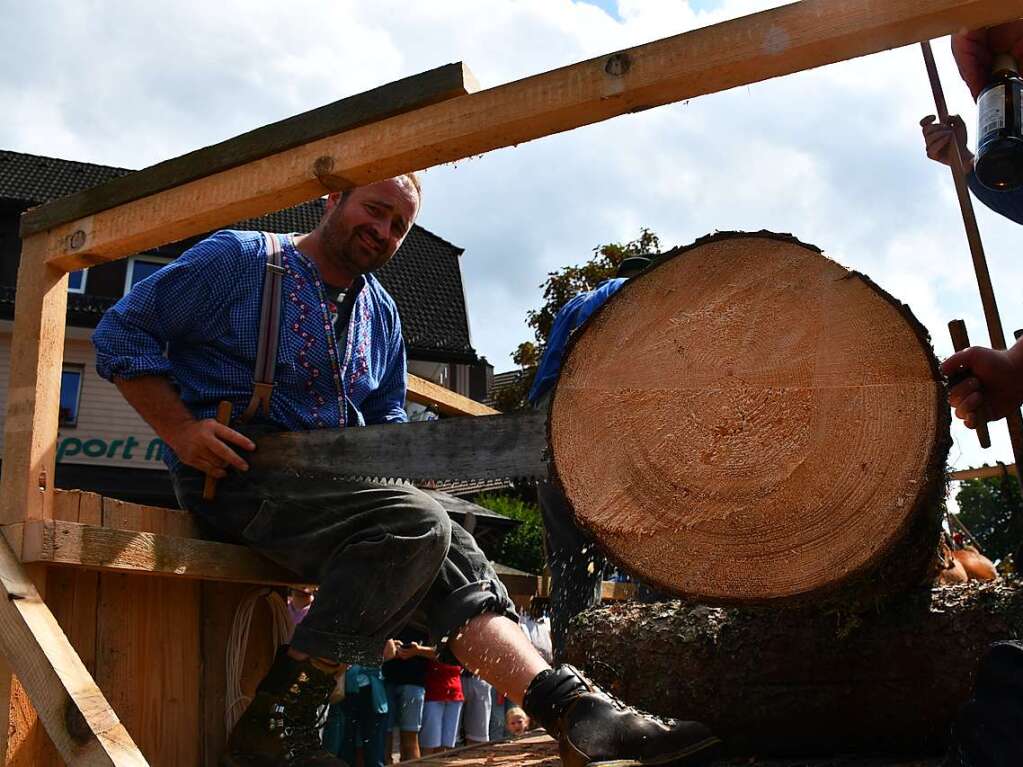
(416, 123)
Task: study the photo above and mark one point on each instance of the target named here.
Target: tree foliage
(989, 508)
(558, 289)
(521, 548)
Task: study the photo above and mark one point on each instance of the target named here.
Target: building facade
(104, 445)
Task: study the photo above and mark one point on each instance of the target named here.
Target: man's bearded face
(366, 226)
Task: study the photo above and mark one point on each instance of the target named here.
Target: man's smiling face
(366, 226)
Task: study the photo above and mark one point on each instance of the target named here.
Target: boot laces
(298, 719)
(622, 706)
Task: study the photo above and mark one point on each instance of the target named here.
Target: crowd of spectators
(413, 704)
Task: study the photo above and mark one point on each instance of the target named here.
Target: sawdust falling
(749, 420)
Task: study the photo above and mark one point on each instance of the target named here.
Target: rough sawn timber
(403, 95)
(884, 680)
(538, 750)
(750, 422)
(757, 47)
(60, 686)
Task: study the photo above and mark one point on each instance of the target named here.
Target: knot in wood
(77, 239)
(618, 64)
(323, 166)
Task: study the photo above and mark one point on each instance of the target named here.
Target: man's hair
(413, 178)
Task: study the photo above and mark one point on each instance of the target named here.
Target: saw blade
(512, 446)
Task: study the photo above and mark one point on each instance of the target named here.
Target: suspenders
(266, 349)
(269, 331)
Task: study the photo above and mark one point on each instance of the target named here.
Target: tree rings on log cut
(750, 422)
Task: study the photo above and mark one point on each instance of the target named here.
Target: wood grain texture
(33, 399)
(69, 543)
(403, 95)
(28, 744)
(750, 422)
(55, 677)
(219, 603)
(750, 49)
(983, 472)
(531, 750)
(443, 400)
(148, 663)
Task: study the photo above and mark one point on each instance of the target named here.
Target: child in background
(516, 722)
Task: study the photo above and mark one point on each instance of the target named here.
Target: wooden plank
(28, 744)
(403, 95)
(443, 400)
(54, 675)
(66, 505)
(983, 472)
(219, 604)
(93, 509)
(90, 508)
(149, 662)
(33, 398)
(101, 548)
(750, 49)
(530, 750)
(122, 515)
(6, 689)
(71, 597)
(618, 592)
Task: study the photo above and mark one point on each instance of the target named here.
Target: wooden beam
(57, 682)
(750, 49)
(388, 100)
(33, 396)
(101, 548)
(983, 472)
(443, 400)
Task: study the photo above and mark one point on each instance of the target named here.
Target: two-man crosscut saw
(512, 446)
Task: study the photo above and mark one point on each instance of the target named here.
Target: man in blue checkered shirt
(186, 338)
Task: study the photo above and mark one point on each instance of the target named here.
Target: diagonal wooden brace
(57, 682)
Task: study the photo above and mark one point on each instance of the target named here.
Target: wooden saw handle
(960, 341)
(209, 490)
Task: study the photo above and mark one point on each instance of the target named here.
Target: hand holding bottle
(974, 52)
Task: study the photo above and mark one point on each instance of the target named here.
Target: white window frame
(80, 369)
(131, 267)
(85, 278)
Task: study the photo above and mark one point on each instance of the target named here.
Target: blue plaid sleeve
(166, 307)
(387, 403)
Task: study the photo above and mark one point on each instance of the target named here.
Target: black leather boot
(280, 728)
(594, 729)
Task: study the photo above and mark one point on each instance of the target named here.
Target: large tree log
(749, 422)
(801, 681)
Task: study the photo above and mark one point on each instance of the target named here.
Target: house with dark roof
(103, 444)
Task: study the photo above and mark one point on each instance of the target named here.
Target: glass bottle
(999, 163)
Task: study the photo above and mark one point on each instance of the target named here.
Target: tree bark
(748, 422)
(784, 682)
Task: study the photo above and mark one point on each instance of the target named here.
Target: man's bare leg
(590, 728)
(495, 648)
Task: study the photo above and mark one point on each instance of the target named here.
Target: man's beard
(355, 256)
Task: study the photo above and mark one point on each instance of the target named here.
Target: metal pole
(987, 295)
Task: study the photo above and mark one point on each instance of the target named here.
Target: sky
(833, 156)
